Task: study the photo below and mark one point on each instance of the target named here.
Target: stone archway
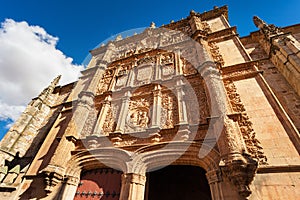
(182, 182)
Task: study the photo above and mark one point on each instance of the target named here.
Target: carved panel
(104, 83)
(144, 74)
(138, 117)
(252, 143)
(109, 124)
(89, 123)
(166, 117)
(168, 65)
(196, 101)
(122, 75)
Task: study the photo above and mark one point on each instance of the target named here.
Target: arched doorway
(177, 182)
(104, 184)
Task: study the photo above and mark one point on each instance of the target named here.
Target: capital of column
(134, 178)
(213, 176)
(208, 69)
(86, 98)
(72, 180)
(101, 65)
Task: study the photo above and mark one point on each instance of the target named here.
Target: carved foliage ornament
(167, 111)
(103, 84)
(215, 52)
(252, 143)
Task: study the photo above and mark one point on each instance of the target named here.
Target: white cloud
(29, 61)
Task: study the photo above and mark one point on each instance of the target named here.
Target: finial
(172, 21)
(192, 12)
(259, 23)
(216, 7)
(48, 90)
(267, 29)
(152, 25)
(55, 81)
(119, 37)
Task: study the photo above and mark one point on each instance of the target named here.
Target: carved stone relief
(138, 116)
(110, 119)
(167, 111)
(122, 75)
(144, 74)
(188, 68)
(189, 60)
(168, 64)
(89, 124)
(104, 83)
(252, 143)
(215, 52)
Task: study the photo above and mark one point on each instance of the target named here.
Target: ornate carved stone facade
(190, 93)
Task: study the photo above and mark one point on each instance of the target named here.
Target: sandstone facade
(221, 113)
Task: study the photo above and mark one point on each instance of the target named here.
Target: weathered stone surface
(188, 93)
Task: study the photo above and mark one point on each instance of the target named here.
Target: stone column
(131, 76)
(123, 113)
(182, 112)
(69, 189)
(236, 164)
(133, 187)
(214, 179)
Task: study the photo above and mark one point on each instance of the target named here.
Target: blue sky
(75, 27)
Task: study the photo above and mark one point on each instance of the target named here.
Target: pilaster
(123, 113)
(238, 166)
(133, 187)
(156, 112)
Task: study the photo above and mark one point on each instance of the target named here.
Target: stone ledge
(278, 169)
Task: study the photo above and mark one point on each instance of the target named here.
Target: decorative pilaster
(182, 112)
(239, 167)
(123, 113)
(133, 187)
(156, 112)
(102, 116)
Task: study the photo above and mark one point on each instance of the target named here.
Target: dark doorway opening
(177, 182)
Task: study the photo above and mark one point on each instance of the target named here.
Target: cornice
(222, 35)
(240, 71)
